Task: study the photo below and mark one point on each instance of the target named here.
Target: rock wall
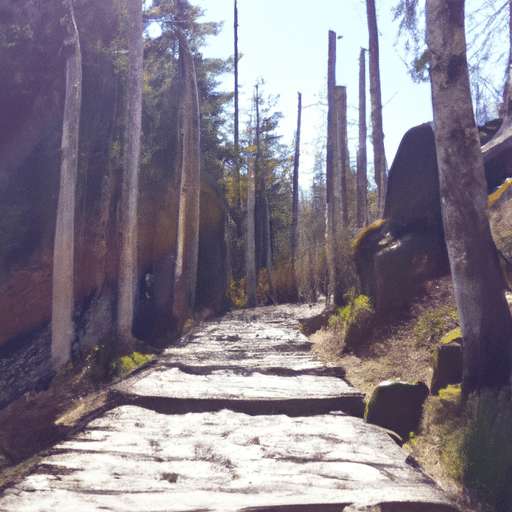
(397, 254)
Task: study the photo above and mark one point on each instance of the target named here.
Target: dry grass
(394, 350)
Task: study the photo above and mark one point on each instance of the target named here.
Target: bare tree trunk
(379, 156)
(295, 201)
(63, 255)
(331, 227)
(261, 177)
(129, 199)
(362, 183)
(236, 121)
(479, 285)
(250, 253)
(190, 191)
(343, 161)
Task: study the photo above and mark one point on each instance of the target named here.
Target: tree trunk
(362, 184)
(295, 202)
(331, 226)
(343, 161)
(129, 199)
(379, 156)
(479, 286)
(63, 297)
(236, 122)
(250, 253)
(188, 220)
(264, 214)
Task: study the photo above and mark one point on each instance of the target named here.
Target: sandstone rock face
(237, 417)
(447, 362)
(397, 406)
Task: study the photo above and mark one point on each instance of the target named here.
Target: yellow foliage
(237, 293)
(124, 365)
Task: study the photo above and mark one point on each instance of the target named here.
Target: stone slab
(132, 459)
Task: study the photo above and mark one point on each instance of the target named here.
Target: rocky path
(238, 416)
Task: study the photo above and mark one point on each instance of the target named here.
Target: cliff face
(29, 177)
(25, 291)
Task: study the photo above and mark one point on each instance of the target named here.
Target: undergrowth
(474, 443)
(122, 366)
(348, 328)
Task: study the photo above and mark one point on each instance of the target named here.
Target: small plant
(122, 366)
(349, 327)
(432, 325)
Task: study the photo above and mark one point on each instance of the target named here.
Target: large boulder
(395, 256)
(447, 362)
(397, 406)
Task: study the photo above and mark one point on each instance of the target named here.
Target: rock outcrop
(398, 253)
(397, 406)
(447, 362)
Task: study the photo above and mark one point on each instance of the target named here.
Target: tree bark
(129, 198)
(343, 160)
(330, 187)
(295, 201)
(190, 191)
(362, 183)
(236, 120)
(264, 214)
(379, 156)
(250, 253)
(479, 285)
(63, 255)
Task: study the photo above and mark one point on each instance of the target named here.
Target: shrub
(237, 293)
(350, 327)
(122, 366)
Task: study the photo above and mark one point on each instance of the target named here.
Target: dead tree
(64, 245)
(343, 160)
(362, 182)
(190, 190)
(295, 201)
(330, 174)
(130, 191)
(379, 156)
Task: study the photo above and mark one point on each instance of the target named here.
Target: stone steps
(231, 419)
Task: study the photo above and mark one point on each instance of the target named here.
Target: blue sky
(284, 42)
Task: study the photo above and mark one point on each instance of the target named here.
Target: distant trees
(479, 285)
(64, 245)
